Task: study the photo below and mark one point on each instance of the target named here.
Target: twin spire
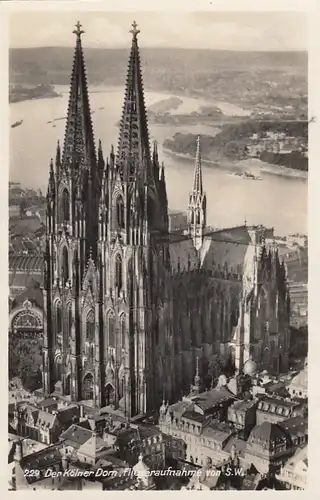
(79, 147)
(133, 156)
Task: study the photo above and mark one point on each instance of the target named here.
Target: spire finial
(135, 31)
(79, 31)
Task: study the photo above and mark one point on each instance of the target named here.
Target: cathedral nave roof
(183, 255)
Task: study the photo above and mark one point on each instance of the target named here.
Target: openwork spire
(133, 157)
(198, 186)
(197, 376)
(79, 149)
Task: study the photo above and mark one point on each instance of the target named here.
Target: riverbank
(20, 93)
(243, 165)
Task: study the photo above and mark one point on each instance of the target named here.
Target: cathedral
(129, 307)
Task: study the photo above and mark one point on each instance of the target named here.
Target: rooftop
(295, 426)
(207, 400)
(244, 404)
(76, 435)
(42, 459)
(266, 432)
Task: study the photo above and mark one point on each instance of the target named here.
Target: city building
(129, 306)
(268, 447)
(242, 414)
(199, 422)
(294, 473)
(43, 421)
(276, 410)
(298, 387)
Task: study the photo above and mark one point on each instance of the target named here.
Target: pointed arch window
(90, 327)
(69, 318)
(58, 319)
(75, 270)
(88, 388)
(118, 274)
(111, 330)
(120, 212)
(123, 331)
(65, 206)
(65, 266)
(198, 217)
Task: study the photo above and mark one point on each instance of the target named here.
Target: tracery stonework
(130, 306)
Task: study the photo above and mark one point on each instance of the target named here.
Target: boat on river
(247, 175)
(16, 124)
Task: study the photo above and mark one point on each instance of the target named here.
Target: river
(275, 201)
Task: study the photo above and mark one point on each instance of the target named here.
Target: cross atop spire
(135, 31)
(79, 31)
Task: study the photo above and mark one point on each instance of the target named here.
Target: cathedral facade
(128, 306)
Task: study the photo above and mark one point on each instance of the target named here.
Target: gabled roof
(46, 419)
(76, 435)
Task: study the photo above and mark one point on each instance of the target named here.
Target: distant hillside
(164, 69)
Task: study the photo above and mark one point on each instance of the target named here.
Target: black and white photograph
(158, 250)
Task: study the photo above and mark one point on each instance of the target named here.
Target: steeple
(197, 210)
(133, 157)
(197, 376)
(196, 388)
(79, 148)
(197, 185)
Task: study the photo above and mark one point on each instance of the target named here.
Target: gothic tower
(71, 238)
(133, 256)
(197, 210)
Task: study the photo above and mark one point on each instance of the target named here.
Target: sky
(199, 30)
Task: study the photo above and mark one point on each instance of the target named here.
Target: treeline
(19, 93)
(246, 129)
(232, 142)
(211, 147)
(293, 160)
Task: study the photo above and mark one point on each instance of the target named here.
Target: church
(129, 307)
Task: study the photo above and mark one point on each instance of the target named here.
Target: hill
(207, 72)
